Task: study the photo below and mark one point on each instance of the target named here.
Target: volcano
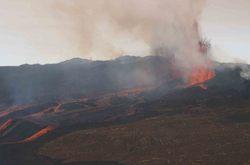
(130, 110)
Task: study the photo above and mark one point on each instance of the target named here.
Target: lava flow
(200, 75)
(39, 134)
(6, 125)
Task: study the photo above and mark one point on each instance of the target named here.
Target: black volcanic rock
(78, 77)
(171, 122)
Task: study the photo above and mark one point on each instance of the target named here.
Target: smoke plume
(110, 28)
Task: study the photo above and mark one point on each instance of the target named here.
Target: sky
(34, 31)
(226, 23)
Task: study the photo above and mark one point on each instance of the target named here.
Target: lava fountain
(202, 73)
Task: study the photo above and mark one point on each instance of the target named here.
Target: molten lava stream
(39, 134)
(199, 76)
(5, 125)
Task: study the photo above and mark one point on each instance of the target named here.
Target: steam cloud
(110, 28)
(105, 29)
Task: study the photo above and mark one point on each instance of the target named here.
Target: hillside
(165, 123)
(78, 77)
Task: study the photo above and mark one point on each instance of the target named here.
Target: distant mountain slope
(121, 122)
(77, 77)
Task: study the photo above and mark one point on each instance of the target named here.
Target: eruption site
(111, 28)
(139, 86)
(202, 73)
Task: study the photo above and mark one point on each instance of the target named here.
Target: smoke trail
(110, 28)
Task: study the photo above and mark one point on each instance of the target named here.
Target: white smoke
(53, 30)
(110, 28)
(245, 72)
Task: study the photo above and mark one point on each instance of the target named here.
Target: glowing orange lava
(199, 76)
(6, 125)
(39, 134)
